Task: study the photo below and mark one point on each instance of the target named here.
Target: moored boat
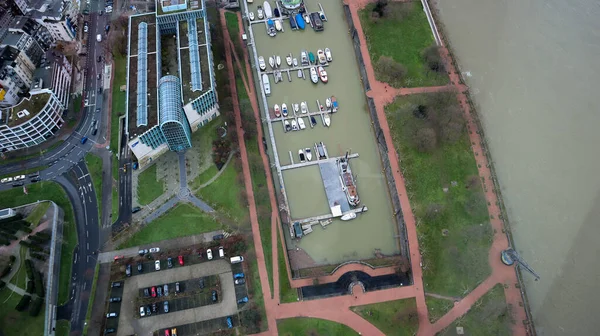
(321, 56)
(287, 126)
(272, 62)
(328, 102)
(300, 21)
(277, 110)
(278, 61)
(266, 84)
(300, 73)
(304, 107)
(348, 181)
(301, 156)
(303, 57)
(308, 153)
(288, 59)
(276, 12)
(261, 63)
(271, 28)
(328, 55)
(284, 109)
(295, 61)
(251, 16)
(250, 1)
(323, 74)
(320, 151)
(311, 57)
(306, 18)
(326, 119)
(313, 121)
(296, 107)
(313, 75)
(259, 12)
(278, 25)
(293, 24)
(348, 216)
(334, 104)
(294, 125)
(301, 123)
(267, 9)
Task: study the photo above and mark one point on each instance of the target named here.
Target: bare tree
(434, 59)
(389, 70)
(425, 139)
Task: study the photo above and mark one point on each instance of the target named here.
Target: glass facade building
(173, 123)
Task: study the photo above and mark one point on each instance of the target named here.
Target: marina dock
(295, 68)
(317, 219)
(310, 163)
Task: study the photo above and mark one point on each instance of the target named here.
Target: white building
(58, 16)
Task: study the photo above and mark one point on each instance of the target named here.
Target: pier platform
(315, 162)
(316, 219)
(336, 196)
(294, 68)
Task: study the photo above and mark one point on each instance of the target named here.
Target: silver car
(166, 290)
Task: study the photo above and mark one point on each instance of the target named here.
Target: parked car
(119, 257)
(140, 267)
(218, 237)
(239, 281)
(115, 299)
(128, 270)
(174, 332)
(209, 254)
(238, 276)
(177, 288)
(99, 59)
(99, 76)
(243, 300)
(146, 292)
(153, 290)
(157, 265)
(155, 250)
(136, 209)
(166, 306)
(180, 258)
(154, 308)
(166, 290)
(83, 140)
(221, 252)
(201, 283)
(142, 311)
(148, 313)
(18, 184)
(229, 322)
(109, 315)
(35, 179)
(109, 331)
(99, 90)
(214, 296)
(116, 284)
(159, 291)
(167, 333)
(169, 262)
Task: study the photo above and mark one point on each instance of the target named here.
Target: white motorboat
(296, 107)
(326, 119)
(300, 73)
(259, 12)
(328, 55)
(287, 126)
(250, 1)
(348, 216)
(284, 109)
(306, 18)
(288, 59)
(303, 57)
(278, 61)
(323, 74)
(328, 102)
(321, 56)
(277, 110)
(304, 107)
(301, 156)
(294, 125)
(261, 63)
(278, 25)
(272, 62)
(308, 153)
(295, 61)
(251, 16)
(266, 84)
(270, 25)
(267, 9)
(301, 123)
(313, 75)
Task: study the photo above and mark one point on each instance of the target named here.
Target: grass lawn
(447, 198)
(183, 220)
(118, 100)
(286, 292)
(411, 35)
(149, 187)
(437, 307)
(312, 326)
(393, 318)
(54, 192)
(202, 141)
(94, 164)
(20, 278)
(88, 314)
(488, 316)
(36, 215)
(14, 323)
(115, 189)
(224, 194)
(234, 33)
(63, 328)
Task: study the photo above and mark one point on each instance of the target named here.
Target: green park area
(94, 164)
(312, 326)
(181, 221)
(411, 60)
(17, 323)
(149, 186)
(443, 183)
(393, 318)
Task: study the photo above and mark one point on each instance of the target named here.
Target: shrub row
(39, 256)
(11, 219)
(39, 286)
(31, 246)
(5, 271)
(23, 303)
(2, 284)
(29, 268)
(35, 308)
(30, 287)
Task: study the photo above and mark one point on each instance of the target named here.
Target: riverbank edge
(439, 25)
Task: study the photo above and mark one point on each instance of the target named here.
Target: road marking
(83, 177)
(88, 246)
(75, 258)
(90, 199)
(87, 233)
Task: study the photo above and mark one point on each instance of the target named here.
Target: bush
(5, 271)
(250, 320)
(2, 284)
(389, 70)
(39, 285)
(434, 59)
(4, 241)
(29, 268)
(43, 235)
(35, 308)
(23, 303)
(30, 287)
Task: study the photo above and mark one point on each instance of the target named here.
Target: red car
(167, 332)
(153, 291)
(119, 257)
(180, 260)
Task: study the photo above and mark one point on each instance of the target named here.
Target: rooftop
(27, 109)
(190, 5)
(48, 8)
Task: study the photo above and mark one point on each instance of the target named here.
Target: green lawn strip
(255, 290)
(490, 315)
(393, 318)
(312, 326)
(202, 141)
(15, 323)
(26, 171)
(410, 34)
(35, 216)
(286, 292)
(149, 187)
(118, 100)
(77, 104)
(454, 234)
(88, 314)
(94, 164)
(224, 194)
(234, 33)
(181, 221)
(204, 177)
(63, 328)
(437, 307)
(115, 189)
(50, 191)
(20, 278)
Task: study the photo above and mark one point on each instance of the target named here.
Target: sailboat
(284, 109)
(295, 61)
(328, 102)
(303, 57)
(313, 75)
(326, 119)
(308, 153)
(278, 25)
(277, 110)
(261, 63)
(348, 216)
(328, 55)
(301, 123)
(266, 84)
(304, 107)
(300, 73)
(313, 121)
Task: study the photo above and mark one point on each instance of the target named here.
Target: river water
(534, 78)
(350, 130)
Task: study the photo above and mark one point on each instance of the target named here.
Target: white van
(99, 38)
(236, 260)
(221, 252)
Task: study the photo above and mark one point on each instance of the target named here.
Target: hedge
(30, 287)
(5, 271)
(23, 303)
(39, 256)
(2, 284)
(39, 286)
(11, 219)
(35, 308)
(29, 268)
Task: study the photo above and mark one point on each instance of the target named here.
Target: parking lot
(202, 327)
(129, 321)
